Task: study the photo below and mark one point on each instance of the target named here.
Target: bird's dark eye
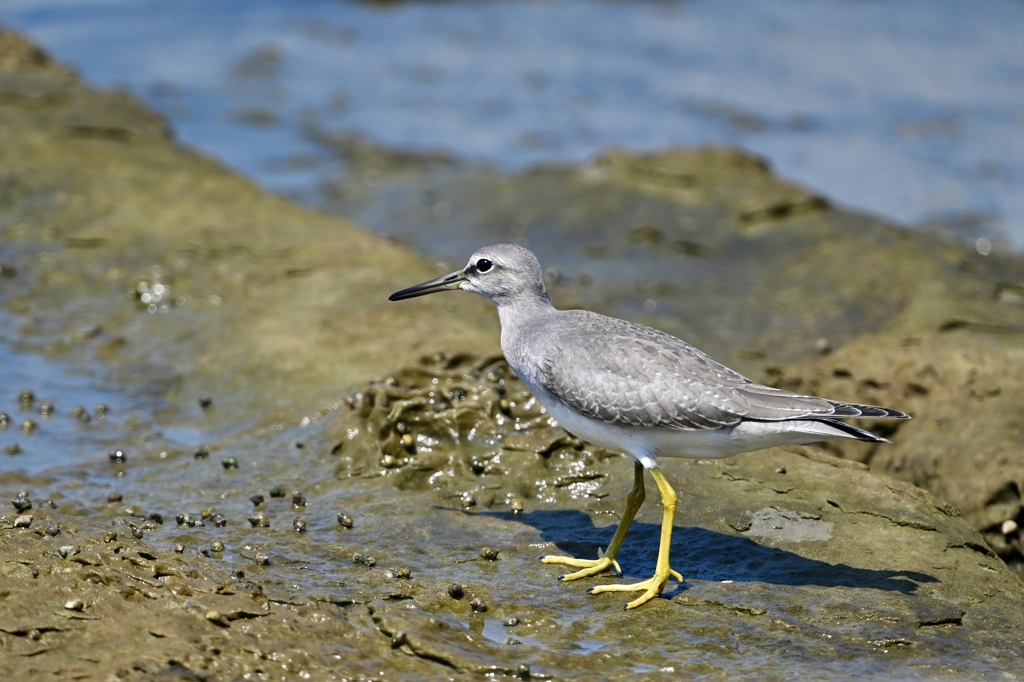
(483, 265)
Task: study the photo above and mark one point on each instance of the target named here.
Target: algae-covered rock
(334, 526)
(796, 563)
(193, 272)
(710, 245)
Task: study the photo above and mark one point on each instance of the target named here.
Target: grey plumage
(628, 374)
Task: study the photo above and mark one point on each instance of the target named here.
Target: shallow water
(86, 419)
(910, 110)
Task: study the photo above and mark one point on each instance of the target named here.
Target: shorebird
(630, 388)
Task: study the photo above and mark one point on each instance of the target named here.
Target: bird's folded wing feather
(623, 373)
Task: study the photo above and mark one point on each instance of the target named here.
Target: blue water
(92, 410)
(910, 109)
(61, 438)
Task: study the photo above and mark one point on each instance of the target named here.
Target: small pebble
(456, 591)
(230, 463)
(344, 520)
(277, 491)
(117, 456)
(23, 521)
(216, 617)
(1009, 527)
(68, 550)
(257, 499)
(299, 525)
(74, 605)
(114, 497)
(21, 503)
(478, 605)
(298, 499)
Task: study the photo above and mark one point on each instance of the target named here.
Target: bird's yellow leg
(606, 561)
(653, 586)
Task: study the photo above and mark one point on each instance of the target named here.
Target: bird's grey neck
(521, 321)
(523, 307)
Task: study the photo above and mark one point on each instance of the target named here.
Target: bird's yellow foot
(651, 587)
(588, 567)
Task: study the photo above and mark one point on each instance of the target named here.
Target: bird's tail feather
(853, 431)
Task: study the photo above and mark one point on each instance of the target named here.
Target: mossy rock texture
(374, 485)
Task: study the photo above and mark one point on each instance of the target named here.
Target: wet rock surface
(398, 521)
(164, 245)
(766, 277)
(823, 570)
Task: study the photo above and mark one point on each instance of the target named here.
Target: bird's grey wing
(628, 374)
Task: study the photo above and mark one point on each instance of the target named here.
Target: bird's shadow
(708, 555)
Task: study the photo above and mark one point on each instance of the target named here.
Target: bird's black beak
(450, 281)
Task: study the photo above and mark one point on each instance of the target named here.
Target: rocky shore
(374, 486)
